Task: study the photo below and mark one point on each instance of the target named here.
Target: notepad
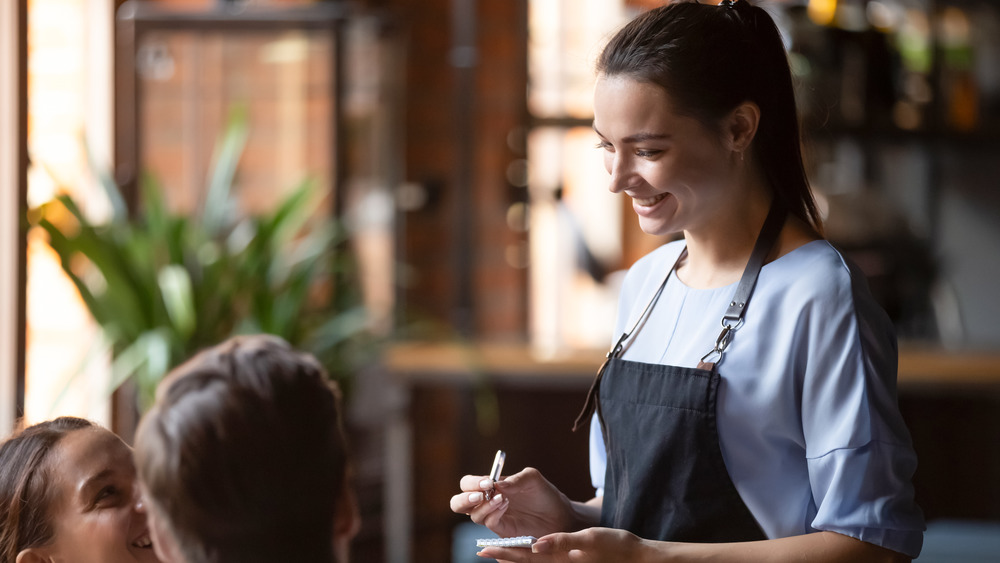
(520, 541)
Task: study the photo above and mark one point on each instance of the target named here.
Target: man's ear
(346, 523)
(164, 544)
(33, 555)
(347, 518)
(742, 126)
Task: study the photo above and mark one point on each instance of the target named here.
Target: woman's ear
(33, 555)
(742, 126)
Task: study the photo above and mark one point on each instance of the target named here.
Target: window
(582, 238)
(70, 104)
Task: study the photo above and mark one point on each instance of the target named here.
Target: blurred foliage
(164, 285)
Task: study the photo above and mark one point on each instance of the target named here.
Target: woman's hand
(592, 545)
(604, 544)
(525, 504)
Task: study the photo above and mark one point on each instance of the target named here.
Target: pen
(495, 472)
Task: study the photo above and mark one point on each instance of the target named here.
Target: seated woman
(243, 459)
(68, 492)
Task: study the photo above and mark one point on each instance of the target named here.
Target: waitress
(747, 410)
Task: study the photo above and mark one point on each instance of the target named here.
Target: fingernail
(486, 484)
(540, 546)
(476, 498)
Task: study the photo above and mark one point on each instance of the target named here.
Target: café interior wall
(969, 243)
(942, 193)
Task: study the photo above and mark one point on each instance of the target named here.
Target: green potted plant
(162, 285)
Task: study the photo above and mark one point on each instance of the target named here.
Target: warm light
(59, 334)
(822, 12)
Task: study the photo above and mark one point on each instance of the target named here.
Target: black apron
(666, 478)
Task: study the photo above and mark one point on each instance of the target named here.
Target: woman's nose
(620, 174)
(139, 503)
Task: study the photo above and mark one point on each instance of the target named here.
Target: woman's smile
(649, 201)
(143, 541)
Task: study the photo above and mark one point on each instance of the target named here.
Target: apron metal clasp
(721, 343)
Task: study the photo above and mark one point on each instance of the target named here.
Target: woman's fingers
(507, 554)
(555, 542)
(495, 509)
(463, 503)
(489, 513)
(473, 493)
(474, 482)
(478, 508)
(591, 544)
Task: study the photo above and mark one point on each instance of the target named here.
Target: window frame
(13, 173)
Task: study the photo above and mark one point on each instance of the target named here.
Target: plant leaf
(222, 170)
(175, 288)
(119, 211)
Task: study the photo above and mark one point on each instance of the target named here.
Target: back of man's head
(243, 457)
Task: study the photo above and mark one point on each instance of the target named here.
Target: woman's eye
(106, 494)
(647, 153)
(604, 145)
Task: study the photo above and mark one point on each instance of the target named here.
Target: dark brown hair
(243, 454)
(25, 496)
(710, 59)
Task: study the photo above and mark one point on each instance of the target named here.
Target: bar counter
(918, 365)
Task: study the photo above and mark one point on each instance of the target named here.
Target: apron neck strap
(732, 319)
(591, 405)
(765, 242)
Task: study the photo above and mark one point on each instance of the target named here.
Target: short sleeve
(859, 454)
(598, 457)
(865, 493)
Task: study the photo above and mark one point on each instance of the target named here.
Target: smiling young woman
(68, 492)
(783, 442)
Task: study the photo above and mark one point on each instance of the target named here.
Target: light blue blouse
(807, 414)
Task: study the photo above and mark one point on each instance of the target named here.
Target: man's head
(243, 457)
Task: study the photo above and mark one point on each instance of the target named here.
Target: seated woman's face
(94, 497)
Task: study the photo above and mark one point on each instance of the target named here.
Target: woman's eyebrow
(95, 479)
(640, 137)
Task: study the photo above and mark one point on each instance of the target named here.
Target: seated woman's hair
(243, 458)
(25, 494)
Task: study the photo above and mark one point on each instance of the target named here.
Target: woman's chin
(657, 227)
(657, 219)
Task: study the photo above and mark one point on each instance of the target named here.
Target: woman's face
(94, 513)
(677, 171)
